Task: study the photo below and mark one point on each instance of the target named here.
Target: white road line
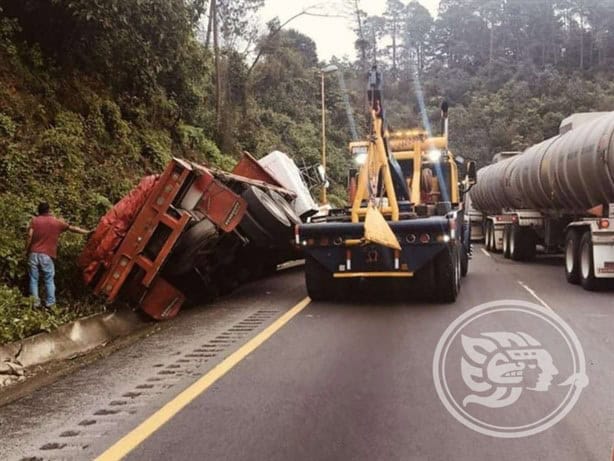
(532, 293)
(486, 252)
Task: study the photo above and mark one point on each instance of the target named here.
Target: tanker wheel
(587, 267)
(464, 261)
(447, 275)
(267, 213)
(487, 233)
(529, 243)
(572, 256)
(492, 238)
(318, 279)
(506, 241)
(521, 243)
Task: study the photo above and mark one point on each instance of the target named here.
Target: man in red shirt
(42, 246)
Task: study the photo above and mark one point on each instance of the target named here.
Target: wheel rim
(569, 257)
(585, 261)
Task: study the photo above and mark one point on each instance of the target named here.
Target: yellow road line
(135, 437)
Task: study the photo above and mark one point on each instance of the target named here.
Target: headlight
(360, 159)
(434, 155)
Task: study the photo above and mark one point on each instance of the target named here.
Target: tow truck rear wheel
(587, 267)
(572, 256)
(319, 281)
(447, 275)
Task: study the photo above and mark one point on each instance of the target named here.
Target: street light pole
(327, 70)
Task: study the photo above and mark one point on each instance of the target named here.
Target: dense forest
(95, 94)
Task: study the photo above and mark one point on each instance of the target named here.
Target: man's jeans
(41, 263)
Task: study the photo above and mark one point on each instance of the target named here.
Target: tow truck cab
(429, 228)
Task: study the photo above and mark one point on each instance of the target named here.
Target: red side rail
(130, 253)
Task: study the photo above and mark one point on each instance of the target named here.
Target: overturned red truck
(196, 232)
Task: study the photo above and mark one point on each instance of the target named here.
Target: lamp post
(326, 70)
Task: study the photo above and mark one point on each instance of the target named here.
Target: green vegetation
(510, 69)
(94, 95)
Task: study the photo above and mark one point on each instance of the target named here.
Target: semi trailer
(558, 196)
(194, 232)
(405, 220)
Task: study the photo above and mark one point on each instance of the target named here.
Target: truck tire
(572, 256)
(284, 205)
(493, 239)
(529, 247)
(522, 243)
(506, 241)
(587, 268)
(319, 281)
(488, 235)
(266, 212)
(186, 252)
(424, 281)
(255, 233)
(447, 275)
(464, 261)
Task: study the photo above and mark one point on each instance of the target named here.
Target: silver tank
(572, 172)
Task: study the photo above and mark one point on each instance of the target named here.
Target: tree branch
(275, 31)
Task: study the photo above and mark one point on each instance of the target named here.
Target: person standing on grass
(42, 246)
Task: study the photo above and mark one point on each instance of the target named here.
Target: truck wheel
(521, 243)
(256, 234)
(529, 243)
(424, 281)
(488, 234)
(572, 256)
(284, 205)
(514, 243)
(319, 281)
(464, 261)
(266, 212)
(190, 244)
(447, 275)
(587, 268)
(506, 241)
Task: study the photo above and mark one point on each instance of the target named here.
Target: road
(327, 382)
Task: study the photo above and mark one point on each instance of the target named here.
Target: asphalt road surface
(260, 376)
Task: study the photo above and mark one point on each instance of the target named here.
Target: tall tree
(393, 26)
(417, 29)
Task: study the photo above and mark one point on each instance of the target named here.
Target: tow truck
(405, 220)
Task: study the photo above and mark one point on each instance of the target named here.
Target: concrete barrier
(66, 342)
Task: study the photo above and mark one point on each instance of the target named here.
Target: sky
(333, 35)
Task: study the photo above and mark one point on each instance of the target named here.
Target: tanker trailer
(559, 195)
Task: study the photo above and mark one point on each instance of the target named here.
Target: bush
(201, 149)
(7, 126)
(20, 319)
(156, 148)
